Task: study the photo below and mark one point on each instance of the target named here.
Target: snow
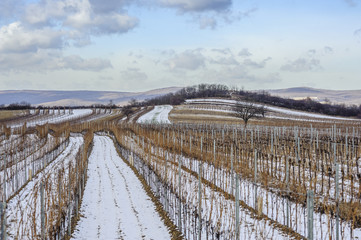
(269, 108)
(274, 205)
(115, 206)
(33, 158)
(24, 209)
(216, 209)
(56, 118)
(158, 115)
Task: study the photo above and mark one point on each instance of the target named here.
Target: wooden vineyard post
(166, 179)
(59, 187)
(346, 146)
(337, 203)
(4, 184)
(237, 206)
(200, 194)
(310, 215)
(42, 210)
(232, 173)
(16, 171)
(271, 142)
(288, 192)
(214, 161)
(255, 179)
(69, 198)
(33, 162)
(179, 191)
(3, 220)
(190, 144)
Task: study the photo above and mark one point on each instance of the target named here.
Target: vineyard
(179, 173)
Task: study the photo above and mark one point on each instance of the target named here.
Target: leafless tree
(248, 110)
(128, 110)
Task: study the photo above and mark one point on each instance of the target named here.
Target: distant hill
(86, 98)
(78, 98)
(347, 97)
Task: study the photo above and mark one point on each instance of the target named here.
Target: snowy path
(115, 206)
(158, 115)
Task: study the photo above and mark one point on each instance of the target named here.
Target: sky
(138, 45)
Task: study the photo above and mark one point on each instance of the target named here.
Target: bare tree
(248, 110)
(127, 110)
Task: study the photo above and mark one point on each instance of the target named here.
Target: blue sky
(136, 45)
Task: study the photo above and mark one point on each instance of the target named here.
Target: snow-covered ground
(115, 206)
(158, 115)
(56, 118)
(26, 163)
(217, 211)
(275, 206)
(289, 112)
(23, 211)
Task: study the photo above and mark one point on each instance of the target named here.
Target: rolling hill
(347, 97)
(86, 98)
(78, 98)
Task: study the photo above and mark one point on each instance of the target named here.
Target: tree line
(219, 90)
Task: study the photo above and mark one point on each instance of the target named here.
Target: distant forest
(16, 106)
(219, 90)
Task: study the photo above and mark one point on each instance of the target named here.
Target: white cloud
(49, 60)
(225, 61)
(47, 12)
(77, 63)
(238, 75)
(244, 53)
(302, 65)
(207, 13)
(108, 6)
(230, 16)
(253, 64)
(189, 60)
(197, 5)
(43, 29)
(207, 22)
(89, 17)
(133, 74)
(115, 23)
(224, 51)
(15, 38)
(313, 53)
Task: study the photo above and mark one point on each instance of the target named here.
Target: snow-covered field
(217, 211)
(158, 115)
(27, 162)
(54, 118)
(115, 206)
(23, 211)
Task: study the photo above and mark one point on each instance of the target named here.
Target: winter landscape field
(188, 171)
(180, 119)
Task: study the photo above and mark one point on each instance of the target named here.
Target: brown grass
(8, 114)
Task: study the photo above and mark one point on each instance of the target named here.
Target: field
(192, 171)
(8, 114)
